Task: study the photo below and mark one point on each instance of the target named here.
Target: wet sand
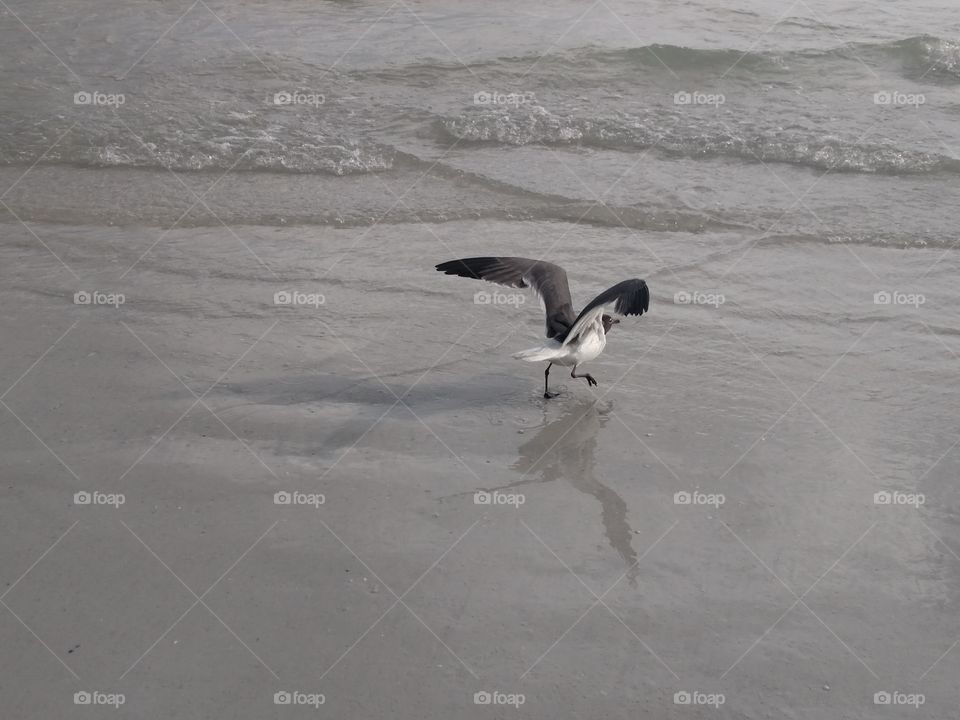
(396, 399)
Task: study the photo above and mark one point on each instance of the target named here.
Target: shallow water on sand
(797, 400)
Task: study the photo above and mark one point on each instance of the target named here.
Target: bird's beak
(616, 322)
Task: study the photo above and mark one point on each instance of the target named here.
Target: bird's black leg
(589, 378)
(546, 375)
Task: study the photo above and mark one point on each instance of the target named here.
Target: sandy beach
(395, 400)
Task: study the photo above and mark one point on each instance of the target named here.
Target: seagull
(571, 339)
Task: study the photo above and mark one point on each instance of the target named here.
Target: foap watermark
(497, 697)
(899, 698)
(695, 697)
(496, 497)
(95, 97)
(895, 97)
(484, 97)
(99, 498)
(698, 98)
(698, 498)
(299, 98)
(295, 297)
(98, 297)
(697, 297)
(95, 697)
(498, 298)
(896, 297)
(885, 497)
(295, 697)
(296, 497)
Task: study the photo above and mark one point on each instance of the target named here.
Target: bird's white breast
(588, 346)
(591, 345)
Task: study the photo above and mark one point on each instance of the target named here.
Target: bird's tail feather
(537, 354)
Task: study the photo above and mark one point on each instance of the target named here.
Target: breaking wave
(535, 125)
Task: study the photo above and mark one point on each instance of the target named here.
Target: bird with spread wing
(572, 339)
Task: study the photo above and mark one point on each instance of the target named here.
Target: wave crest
(535, 125)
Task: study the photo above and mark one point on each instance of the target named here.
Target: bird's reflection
(566, 448)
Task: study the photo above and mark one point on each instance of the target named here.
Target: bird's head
(608, 322)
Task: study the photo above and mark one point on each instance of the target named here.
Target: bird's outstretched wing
(630, 297)
(549, 281)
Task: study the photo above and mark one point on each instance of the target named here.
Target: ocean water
(806, 122)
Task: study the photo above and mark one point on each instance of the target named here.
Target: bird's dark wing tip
(467, 267)
(635, 300)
